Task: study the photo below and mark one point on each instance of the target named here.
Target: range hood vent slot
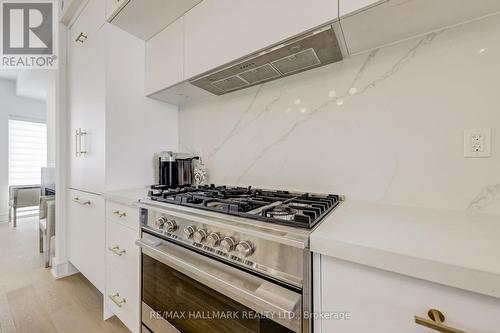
(311, 50)
(262, 73)
(297, 62)
(230, 83)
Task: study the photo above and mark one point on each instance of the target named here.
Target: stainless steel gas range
(227, 259)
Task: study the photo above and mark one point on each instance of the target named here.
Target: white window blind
(27, 151)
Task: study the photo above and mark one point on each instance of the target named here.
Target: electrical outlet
(477, 142)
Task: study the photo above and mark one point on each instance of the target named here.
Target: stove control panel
(226, 242)
(200, 235)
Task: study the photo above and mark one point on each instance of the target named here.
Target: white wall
(11, 105)
(385, 126)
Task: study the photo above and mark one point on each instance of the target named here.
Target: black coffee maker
(176, 169)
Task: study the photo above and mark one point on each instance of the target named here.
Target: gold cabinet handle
(436, 322)
(119, 301)
(120, 214)
(116, 250)
(77, 200)
(81, 37)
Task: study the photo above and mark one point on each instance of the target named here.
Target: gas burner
(282, 213)
(302, 210)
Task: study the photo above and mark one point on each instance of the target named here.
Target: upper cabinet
(395, 20)
(113, 7)
(219, 31)
(146, 18)
(165, 58)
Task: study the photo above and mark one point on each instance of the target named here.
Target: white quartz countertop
(458, 249)
(128, 196)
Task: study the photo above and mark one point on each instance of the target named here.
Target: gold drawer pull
(436, 322)
(116, 250)
(119, 301)
(120, 214)
(79, 201)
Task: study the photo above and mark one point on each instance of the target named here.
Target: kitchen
(281, 166)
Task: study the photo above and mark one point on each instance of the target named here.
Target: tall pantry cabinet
(114, 131)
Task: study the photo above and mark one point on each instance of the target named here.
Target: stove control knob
(160, 222)
(171, 225)
(213, 239)
(244, 248)
(227, 244)
(189, 231)
(200, 235)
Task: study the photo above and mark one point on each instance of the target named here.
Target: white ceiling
(8, 74)
(30, 83)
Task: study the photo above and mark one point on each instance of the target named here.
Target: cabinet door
(123, 273)
(86, 77)
(381, 301)
(86, 235)
(165, 58)
(113, 7)
(396, 20)
(219, 31)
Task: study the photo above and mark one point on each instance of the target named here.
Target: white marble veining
(385, 126)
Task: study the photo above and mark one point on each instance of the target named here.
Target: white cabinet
(122, 295)
(121, 129)
(85, 235)
(87, 100)
(123, 215)
(113, 7)
(165, 58)
(380, 301)
(220, 31)
(390, 21)
(144, 19)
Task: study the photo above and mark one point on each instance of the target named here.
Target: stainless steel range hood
(311, 50)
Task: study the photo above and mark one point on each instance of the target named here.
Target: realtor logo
(29, 34)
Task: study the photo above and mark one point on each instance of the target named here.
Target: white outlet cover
(477, 142)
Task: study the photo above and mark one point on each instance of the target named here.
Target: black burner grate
(293, 209)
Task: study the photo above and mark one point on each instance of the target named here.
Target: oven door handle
(275, 302)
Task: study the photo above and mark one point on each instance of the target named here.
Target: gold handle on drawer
(116, 250)
(119, 301)
(436, 322)
(120, 214)
(79, 201)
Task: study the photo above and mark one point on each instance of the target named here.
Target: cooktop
(303, 210)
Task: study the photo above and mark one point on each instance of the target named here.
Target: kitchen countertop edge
(350, 247)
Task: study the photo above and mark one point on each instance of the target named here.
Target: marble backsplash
(383, 126)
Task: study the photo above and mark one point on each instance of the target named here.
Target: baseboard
(62, 269)
(4, 218)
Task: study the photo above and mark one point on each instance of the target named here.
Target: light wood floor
(32, 301)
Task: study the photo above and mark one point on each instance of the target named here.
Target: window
(27, 151)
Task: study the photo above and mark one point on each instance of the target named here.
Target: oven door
(184, 291)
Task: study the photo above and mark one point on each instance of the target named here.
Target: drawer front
(86, 235)
(380, 301)
(123, 296)
(121, 251)
(122, 214)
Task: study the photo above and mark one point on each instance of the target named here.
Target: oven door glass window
(188, 306)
